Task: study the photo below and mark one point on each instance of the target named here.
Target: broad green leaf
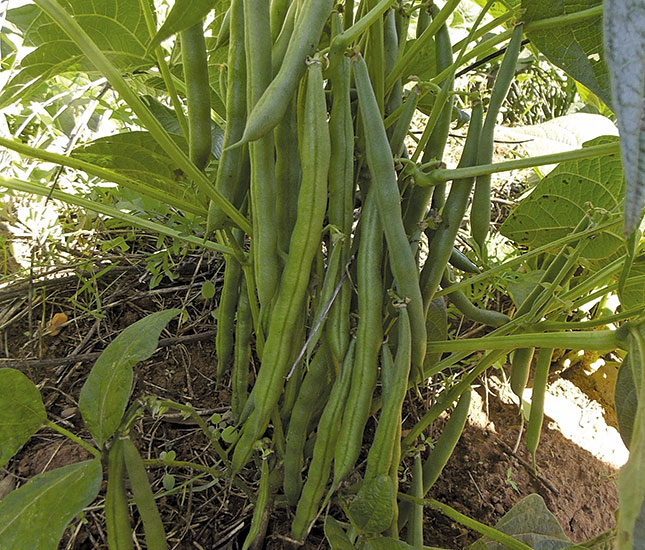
(631, 480)
(184, 14)
(34, 516)
(624, 32)
(372, 510)
(500, 7)
(557, 135)
(633, 293)
(561, 200)
(520, 285)
(604, 541)
(530, 522)
(336, 535)
(139, 157)
(626, 399)
(118, 28)
(106, 391)
(576, 47)
(22, 412)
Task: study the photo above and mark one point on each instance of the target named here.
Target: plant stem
(588, 339)
(566, 19)
(485, 530)
(44, 191)
(530, 162)
(89, 448)
(555, 245)
(103, 173)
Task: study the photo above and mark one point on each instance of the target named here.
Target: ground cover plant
(280, 134)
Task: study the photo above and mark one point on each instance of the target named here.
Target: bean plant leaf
(372, 510)
(105, 394)
(561, 200)
(577, 47)
(336, 535)
(22, 412)
(626, 398)
(530, 522)
(632, 294)
(624, 45)
(34, 516)
(139, 157)
(184, 14)
(631, 480)
(117, 27)
(436, 327)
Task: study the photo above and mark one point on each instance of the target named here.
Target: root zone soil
(483, 479)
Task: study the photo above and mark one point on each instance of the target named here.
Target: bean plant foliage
(283, 135)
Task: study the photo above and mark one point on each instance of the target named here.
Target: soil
(483, 479)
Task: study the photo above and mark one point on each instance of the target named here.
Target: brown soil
(483, 479)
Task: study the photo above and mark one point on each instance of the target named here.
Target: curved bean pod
(536, 416)
(402, 261)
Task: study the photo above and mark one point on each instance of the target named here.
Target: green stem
(486, 169)
(44, 191)
(588, 339)
(89, 448)
(159, 463)
(163, 68)
(485, 29)
(485, 530)
(555, 245)
(344, 39)
(105, 174)
(566, 19)
(600, 322)
(71, 27)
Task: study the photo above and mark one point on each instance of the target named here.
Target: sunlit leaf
(576, 47)
(118, 28)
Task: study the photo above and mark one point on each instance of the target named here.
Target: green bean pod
(443, 241)
(226, 315)
(341, 194)
(326, 441)
(143, 497)
(260, 508)
(270, 108)
(242, 352)
(459, 260)
(402, 261)
(317, 378)
(195, 62)
(416, 202)
(282, 41)
(368, 339)
(117, 514)
(224, 33)
(279, 9)
(536, 416)
(287, 176)
(257, 37)
(402, 126)
(305, 242)
(231, 181)
(395, 385)
(471, 311)
(442, 450)
(520, 368)
(480, 212)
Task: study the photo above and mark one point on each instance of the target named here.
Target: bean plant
(287, 131)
